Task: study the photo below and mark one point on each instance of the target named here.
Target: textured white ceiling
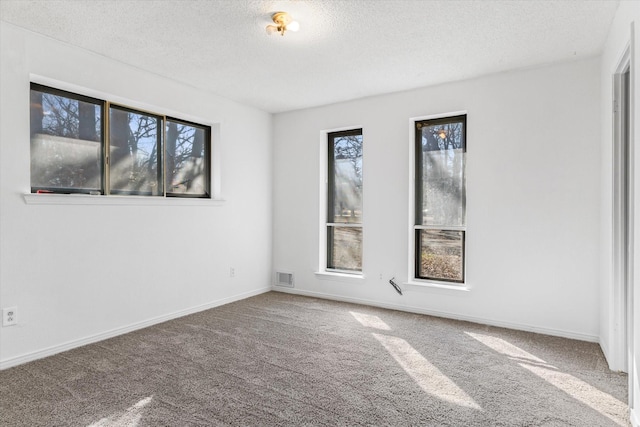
(344, 49)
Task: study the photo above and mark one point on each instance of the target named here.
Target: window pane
(440, 255)
(135, 164)
(187, 159)
(66, 142)
(345, 204)
(344, 248)
(443, 174)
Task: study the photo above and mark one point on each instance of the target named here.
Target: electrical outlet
(232, 272)
(9, 316)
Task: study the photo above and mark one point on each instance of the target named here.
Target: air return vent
(284, 278)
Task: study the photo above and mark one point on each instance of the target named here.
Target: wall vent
(284, 278)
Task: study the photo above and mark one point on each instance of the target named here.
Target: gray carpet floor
(279, 359)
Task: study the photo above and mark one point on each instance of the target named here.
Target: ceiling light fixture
(283, 22)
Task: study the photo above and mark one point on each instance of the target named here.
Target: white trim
(115, 99)
(50, 351)
(620, 275)
(215, 161)
(631, 297)
(429, 284)
(86, 199)
(634, 418)
(340, 276)
(441, 227)
(435, 116)
(446, 315)
(411, 251)
(322, 205)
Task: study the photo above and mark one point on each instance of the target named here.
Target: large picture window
(86, 145)
(344, 201)
(440, 204)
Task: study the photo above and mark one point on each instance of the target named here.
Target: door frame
(623, 219)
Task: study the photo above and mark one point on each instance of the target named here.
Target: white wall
(78, 273)
(533, 173)
(620, 36)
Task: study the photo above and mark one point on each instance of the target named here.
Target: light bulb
(293, 26)
(271, 29)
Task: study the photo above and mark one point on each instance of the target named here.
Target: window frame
(160, 138)
(329, 206)
(417, 250)
(207, 160)
(44, 89)
(50, 86)
(415, 213)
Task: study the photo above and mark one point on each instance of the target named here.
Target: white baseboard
(50, 351)
(418, 310)
(634, 417)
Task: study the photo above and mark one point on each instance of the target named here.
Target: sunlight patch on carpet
(370, 321)
(129, 418)
(506, 348)
(602, 402)
(427, 376)
(580, 390)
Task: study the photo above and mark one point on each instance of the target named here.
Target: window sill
(86, 199)
(340, 277)
(415, 284)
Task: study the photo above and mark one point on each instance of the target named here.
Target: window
(187, 159)
(344, 201)
(135, 147)
(66, 141)
(70, 142)
(440, 211)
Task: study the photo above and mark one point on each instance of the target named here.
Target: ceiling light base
(282, 20)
